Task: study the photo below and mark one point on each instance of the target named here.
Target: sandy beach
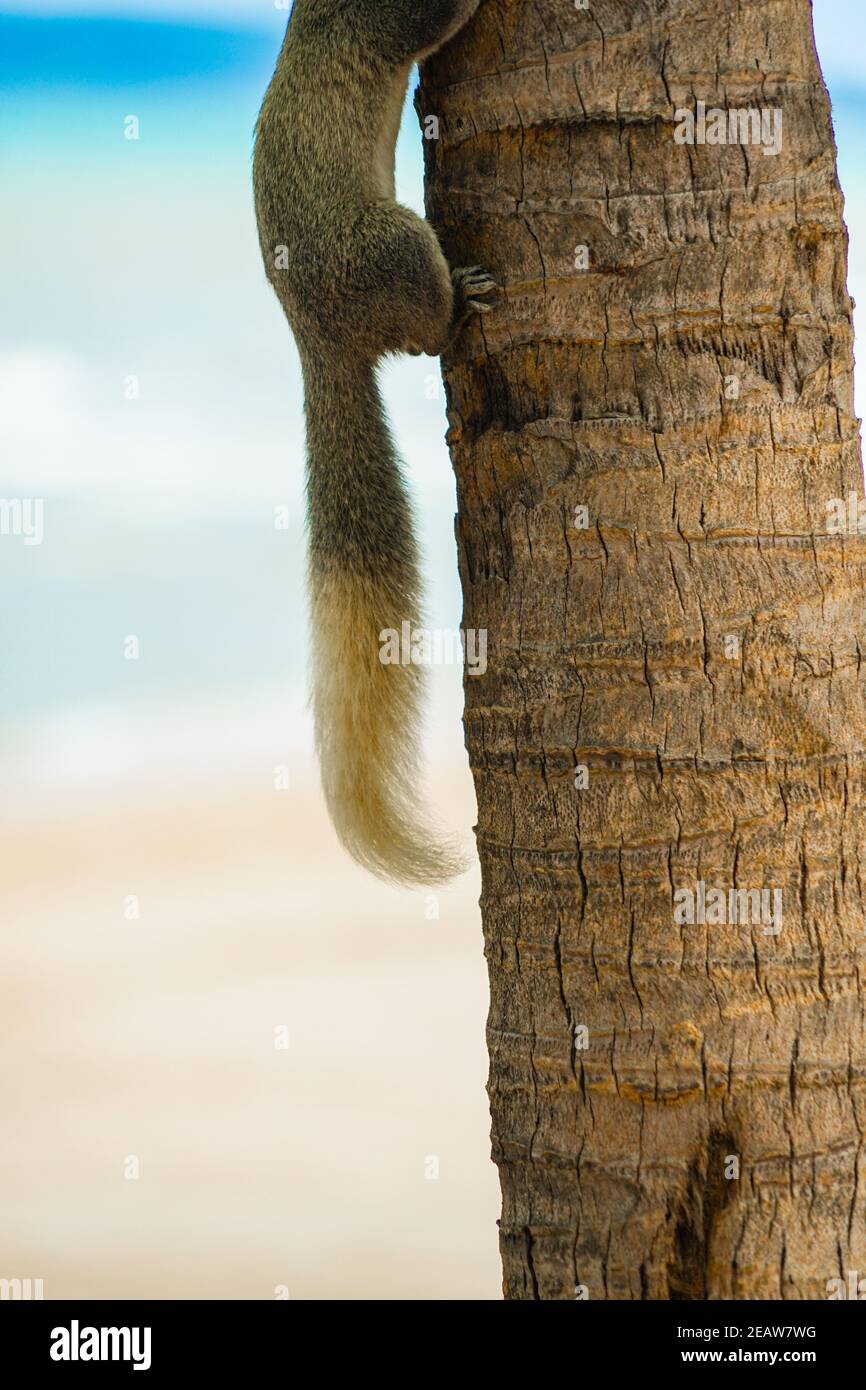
(288, 1054)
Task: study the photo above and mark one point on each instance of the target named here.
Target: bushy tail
(363, 575)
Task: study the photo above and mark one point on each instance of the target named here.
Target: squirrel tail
(364, 585)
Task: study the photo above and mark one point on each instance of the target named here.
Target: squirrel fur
(359, 277)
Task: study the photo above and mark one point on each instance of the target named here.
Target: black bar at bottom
(215, 1339)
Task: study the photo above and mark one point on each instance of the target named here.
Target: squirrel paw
(470, 282)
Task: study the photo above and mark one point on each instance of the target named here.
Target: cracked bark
(606, 388)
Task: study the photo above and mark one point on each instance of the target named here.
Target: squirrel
(359, 277)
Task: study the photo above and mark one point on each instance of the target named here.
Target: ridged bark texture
(693, 639)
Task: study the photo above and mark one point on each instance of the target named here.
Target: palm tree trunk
(656, 452)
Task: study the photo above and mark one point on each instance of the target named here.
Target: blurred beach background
(233, 1065)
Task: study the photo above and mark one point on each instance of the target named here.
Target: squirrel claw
(470, 284)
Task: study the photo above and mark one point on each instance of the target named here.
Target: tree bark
(693, 640)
